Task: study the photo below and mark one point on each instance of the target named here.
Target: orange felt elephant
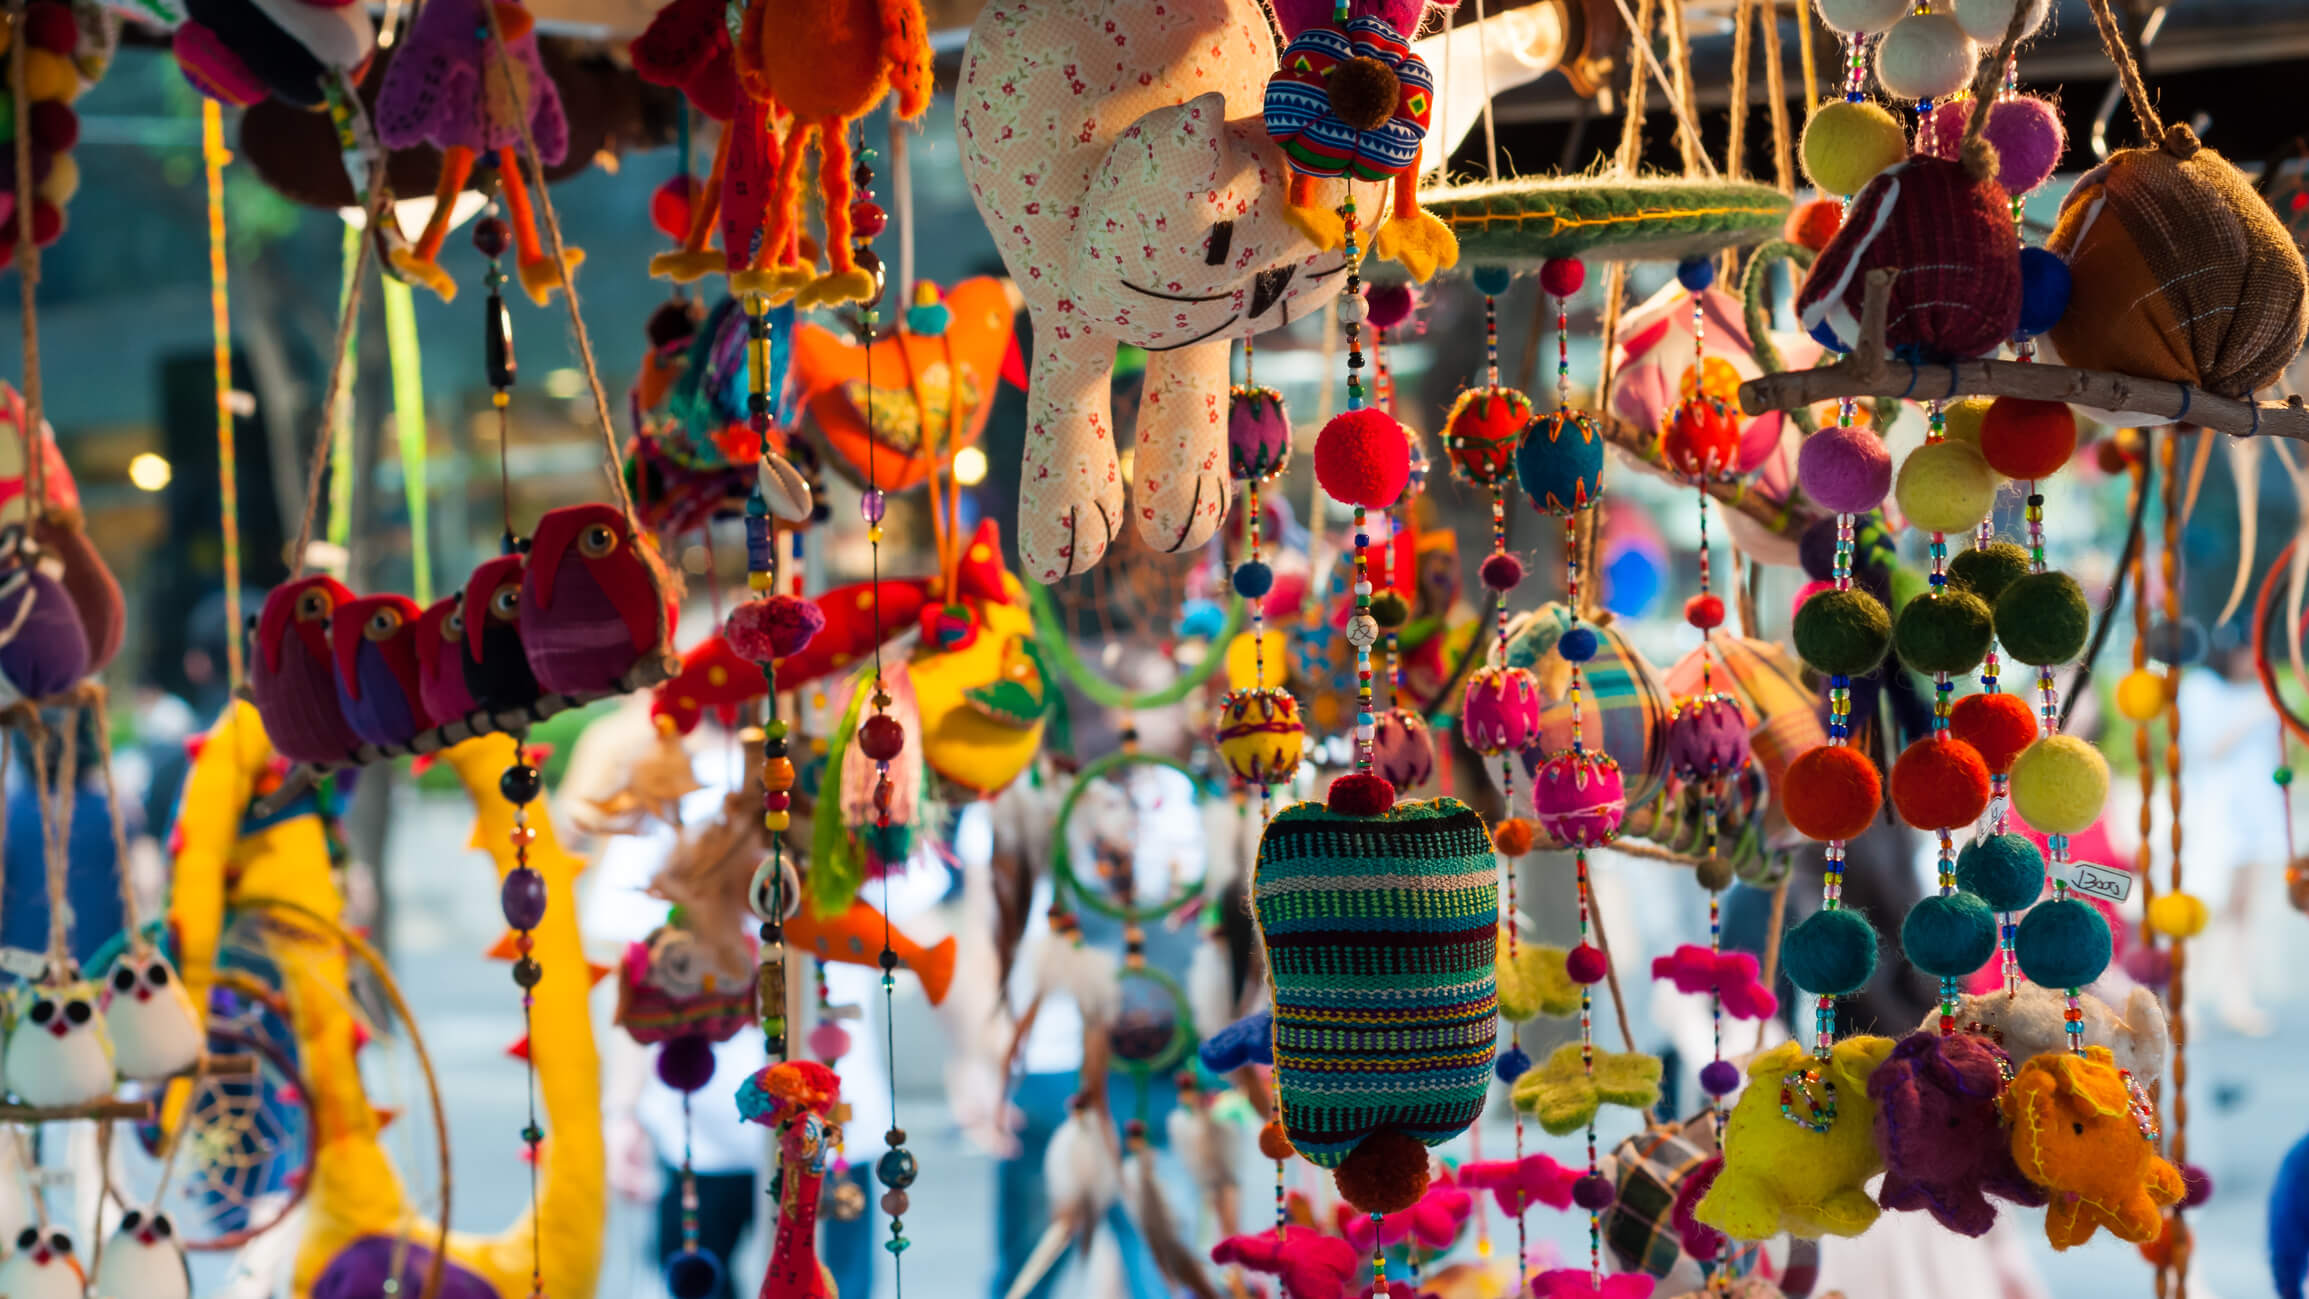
(2074, 1134)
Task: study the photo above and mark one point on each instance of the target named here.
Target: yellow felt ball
(2178, 915)
(2059, 784)
(63, 180)
(1243, 662)
(1945, 487)
(1846, 144)
(50, 77)
(2140, 695)
(1961, 420)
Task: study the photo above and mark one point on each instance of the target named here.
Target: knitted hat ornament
(1948, 233)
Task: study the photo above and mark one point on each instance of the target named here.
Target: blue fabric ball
(1492, 280)
(1560, 462)
(2063, 944)
(1253, 579)
(1577, 645)
(1949, 936)
(1831, 954)
(1202, 619)
(2044, 289)
(692, 1274)
(1249, 1040)
(1513, 1063)
(1696, 273)
(2003, 870)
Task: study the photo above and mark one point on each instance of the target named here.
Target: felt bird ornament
(57, 1054)
(1800, 1165)
(142, 1260)
(155, 1030)
(855, 937)
(798, 1098)
(493, 662)
(2074, 1134)
(1309, 1264)
(43, 647)
(1520, 1183)
(440, 643)
(593, 600)
(374, 642)
(446, 87)
(1944, 1144)
(292, 676)
(43, 1267)
(1731, 975)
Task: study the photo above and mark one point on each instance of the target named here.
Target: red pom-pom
(1813, 224)
(1831, 792)
(1705, 612)
(1939, 783)
(1501, 572)
(55, 126)
(1562, 276)
(47, 222)
(1586, 964)
(881, 737)
(1512, 837)
(53, 28)
(1362, 458)
(774, 628)
(1275, 1143)
(1997, 727)
(669, 206)
(1387, 1173)
(1361, 793)
(2024, 439)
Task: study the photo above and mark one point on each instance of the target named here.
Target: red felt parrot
(375, 647)
(495, 667)
(441, 660)
(592, 600)
(290, 676)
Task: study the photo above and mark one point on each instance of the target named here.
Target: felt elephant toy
(1801, 1171)
(2074, 1133)
(2028, 1022)
(1942, 1137)
(1118, 153)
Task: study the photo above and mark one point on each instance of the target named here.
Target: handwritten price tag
(2107, 883)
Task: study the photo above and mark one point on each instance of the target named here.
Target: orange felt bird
(855, 938)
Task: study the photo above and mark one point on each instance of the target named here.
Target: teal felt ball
(1560, 462)
(1843, 633)
(1949, 935)
(1831, 954)
(1492, 280)
(1987, 570)
(2063, 943)
(2042, 619)
(2004, 870)
(1948, 630)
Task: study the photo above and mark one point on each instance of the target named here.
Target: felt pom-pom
(2042, 619)
(2025, 133)
(55, 127)
(1592, 1192)
(1848, 470)
(1253, 579)
(1389, 304)
(1814, 222)
(1831, 792)
(1719, 1077)
(2178, 915)
(1577, 645)
(1925, 56)
(1512, 837)
(1502, 571)
(1513, 1063)
(1998, 727)
(1705, 611)
(2060, 784)
(1948, 630)
(669, 206)
(692, 1274)
(2045, 286)
(1481, 432)
(1832, 954)
(1987, 570)
(1696, 273)
(1560, 462)
(1849, 16)
(686, 1063)
(2004, 871)
(1561, 277)
(1362, 459)
(1949, 935)
(1360, 793)
(1939, 783)
(1491, 281)
(1846, 144)
(1386, 1173)
(1258, 433)
(2196, 1186)
(2063, 943)
(1274, 1143)
(2175, 644)
(1390, 610)
(1945, 487)
(1960, 420)
(1987, 21)
(1586, 965)
(773, 628)
(2140, 695)
(2026, 439)
(1843, 633)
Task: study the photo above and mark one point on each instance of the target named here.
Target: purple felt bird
(43, 647)
(375, 646)
(592, 600)
(1943, 1139)
(292, 679)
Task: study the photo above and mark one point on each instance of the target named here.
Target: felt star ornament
(1695, 969)
(1579, 1283)
(1564, 1096)
(1519, 1183)
(1535, 981)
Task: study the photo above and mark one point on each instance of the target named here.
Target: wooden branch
(1870, 372)
(109, 1109)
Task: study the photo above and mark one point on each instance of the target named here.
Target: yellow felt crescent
(916, 378)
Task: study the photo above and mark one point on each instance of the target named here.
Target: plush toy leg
(1415, 237)
(746, 181)
(1181, 461)
(1741, 1206)
(784, 221)
(539, 276)
(1847, 1212)
(1070, 497)
(1323, 227)
(695, 259)
(420, 262)
(844, 280)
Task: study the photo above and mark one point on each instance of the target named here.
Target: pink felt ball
(2025, 132)
(1389, 304)
(773, 628)
(1580, 796)
(1562, 276)
(1362, 458)
(1848, 470)
(1806, 592)
(1585, 964)
(829, 1040)
(1501, 710)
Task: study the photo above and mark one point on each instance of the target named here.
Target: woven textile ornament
(2073, 1134)
(1945, 1149)
(1379, 934)
(1948, 233)
(1800, 1145)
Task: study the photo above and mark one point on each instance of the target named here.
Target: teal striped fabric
(1380, 935)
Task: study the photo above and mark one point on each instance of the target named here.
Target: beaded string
(1362, 628)
(2048, 722)
(523, 900)
(1383, 383)
(1943, 701)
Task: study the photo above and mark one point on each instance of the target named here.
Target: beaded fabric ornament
(1949, 235)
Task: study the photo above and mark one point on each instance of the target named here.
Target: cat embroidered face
(57, 1053)
(155, 1029)
(142, 1260)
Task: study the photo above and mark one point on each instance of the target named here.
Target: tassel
(1172, 1256)
(1211, 985)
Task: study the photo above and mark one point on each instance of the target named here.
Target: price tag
(28, 966)
(2107, 883)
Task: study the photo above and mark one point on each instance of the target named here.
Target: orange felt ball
(1274, 1143)
(1831, 792)
(2024, 439)
(1997, 727)
(1813, 224)
(1512, 837)
(1939, 783)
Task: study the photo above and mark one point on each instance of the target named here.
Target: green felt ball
(1944, 631)
(2042, 619)
(2063, 943)
(1945, 487)
(2003, 870)
(1831, 954)
(1843, 633)
(1987, 570)
(1949, 935)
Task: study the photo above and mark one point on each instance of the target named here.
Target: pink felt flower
(1309, 1264)
(1434, 1222)
(1536, 1178)
(1579, 1283)
(1695, 969)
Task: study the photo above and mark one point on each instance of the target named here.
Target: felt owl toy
(43, 1267)
(492, 661)
(1800, 1145)
(374, 642)
(2075, 1134)
(156, 1033)
(43, 648)
(440, 642)
(292, 677)
(57, 1053)
(593, 600)
(142, 1260)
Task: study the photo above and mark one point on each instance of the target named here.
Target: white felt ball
(1925, 56)
(1985, 20)
(1861, 15)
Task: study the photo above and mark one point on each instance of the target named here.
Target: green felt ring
(1524, 221)
(1057, 650)
(1062, 861)
(1182, 1037)
(1752, 284)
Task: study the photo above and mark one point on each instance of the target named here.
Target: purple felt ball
(1707, 736)
(2197, 1185)
(1258, 433)
(1719, 1078)
(2025, 132)
(523, 897)
(686, 1064)
(1585, 964)
(1389, 304)
(1848, 470)
(771, 629)
(2151, 967)
(1502, 572)
(1592, 1192)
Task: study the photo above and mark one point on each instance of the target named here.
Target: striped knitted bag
(1379, 942)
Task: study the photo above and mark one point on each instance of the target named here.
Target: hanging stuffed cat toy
(156, 1033)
